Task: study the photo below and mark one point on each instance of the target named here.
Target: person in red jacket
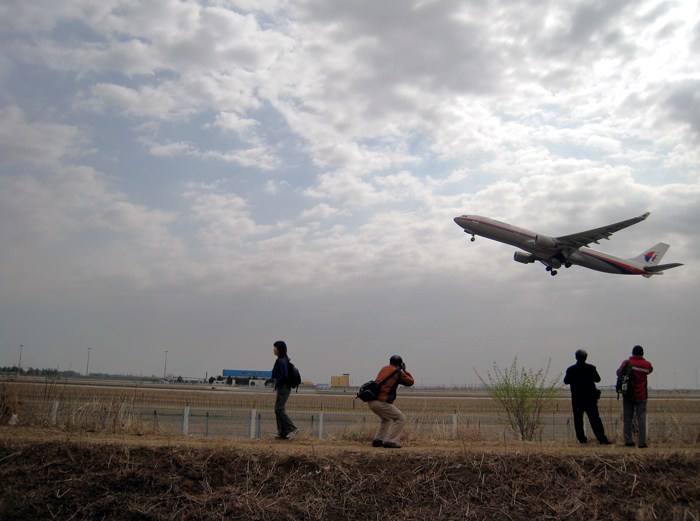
(392, 420)
(635, 401)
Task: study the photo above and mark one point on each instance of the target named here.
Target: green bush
(524, 394)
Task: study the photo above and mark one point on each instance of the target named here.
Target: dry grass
(183, 479)
(97, 409)
(207, 398)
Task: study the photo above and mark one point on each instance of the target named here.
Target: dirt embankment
(52, 475)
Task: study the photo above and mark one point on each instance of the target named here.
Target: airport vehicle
(569, 250)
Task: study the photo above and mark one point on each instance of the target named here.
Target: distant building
(245, 377)
(237, 373)
(188, 380)
(340, 381)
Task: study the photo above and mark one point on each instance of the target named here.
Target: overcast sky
(208, 177)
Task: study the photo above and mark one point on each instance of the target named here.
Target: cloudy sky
(208, 177)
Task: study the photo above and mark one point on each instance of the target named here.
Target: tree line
(31, 371)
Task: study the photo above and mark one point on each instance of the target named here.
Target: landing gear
(470, 233)
(553, 272)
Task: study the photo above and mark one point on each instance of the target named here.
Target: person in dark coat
(582, 377)
(286, 429)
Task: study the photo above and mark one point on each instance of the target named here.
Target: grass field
(441, 414)
(65, 472)
(411, 401)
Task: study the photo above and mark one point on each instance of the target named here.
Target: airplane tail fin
(651, 257)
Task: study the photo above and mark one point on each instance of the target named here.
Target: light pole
(87, 369)
(166, 363)
(19, 367)
(675, 387)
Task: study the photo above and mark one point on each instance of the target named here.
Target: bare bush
(524, 394)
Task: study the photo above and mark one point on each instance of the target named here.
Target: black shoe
(643, 446)
(377, 443)
(280, 437)
(391, 445)
(630, 444)
(606, 442)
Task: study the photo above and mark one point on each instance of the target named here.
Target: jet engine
(525, 258)
(545, 241)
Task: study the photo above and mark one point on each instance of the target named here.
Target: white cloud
(366, 128)
(225, 218)
(319, 212)
(273, 187)
(39, 144)
(169, 149)
(124, 217)
(232, 121)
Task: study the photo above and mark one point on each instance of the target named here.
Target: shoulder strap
(387, 378)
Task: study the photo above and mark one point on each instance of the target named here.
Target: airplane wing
(577, 240)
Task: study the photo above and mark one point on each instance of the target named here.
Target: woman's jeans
(284, 423)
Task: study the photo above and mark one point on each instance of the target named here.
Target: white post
(646, 422)
(186, 420)
(54, 413)
(122, 413)
(253, 415)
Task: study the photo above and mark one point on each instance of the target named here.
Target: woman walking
(286, 430)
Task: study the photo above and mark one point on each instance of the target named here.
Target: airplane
(567, 250)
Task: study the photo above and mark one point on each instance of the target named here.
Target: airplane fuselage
(543, 249)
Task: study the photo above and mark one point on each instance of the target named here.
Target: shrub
(524, 394)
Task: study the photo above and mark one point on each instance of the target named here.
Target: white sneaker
(292, 434)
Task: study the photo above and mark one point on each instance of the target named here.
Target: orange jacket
(387, 392)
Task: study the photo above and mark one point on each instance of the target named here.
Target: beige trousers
(392, 421)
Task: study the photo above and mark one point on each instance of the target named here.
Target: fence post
(54, 413)
(186, 420)
(122, 413)
(646, 424)
(454, 425)
(321, 424)
(206, 427)
(253, 416)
